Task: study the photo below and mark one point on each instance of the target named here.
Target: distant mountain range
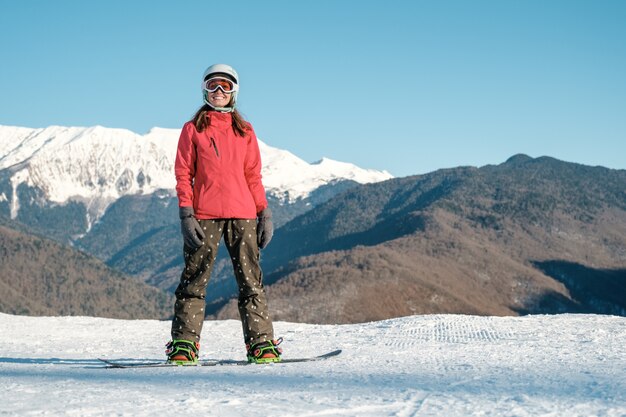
(110, 192)
(531, 235)
(527, 236)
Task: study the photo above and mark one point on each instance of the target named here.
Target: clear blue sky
(406, 86)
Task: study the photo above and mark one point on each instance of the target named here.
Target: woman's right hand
(190, 228)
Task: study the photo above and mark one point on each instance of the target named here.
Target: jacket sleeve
(252, 169)
(185, 166)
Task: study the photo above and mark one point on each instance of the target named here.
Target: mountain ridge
(460, 240)
(528, 235)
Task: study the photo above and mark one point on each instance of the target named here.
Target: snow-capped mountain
(288, 177)
(98, 165)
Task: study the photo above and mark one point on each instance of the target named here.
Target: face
(218, 98)
(219, 91)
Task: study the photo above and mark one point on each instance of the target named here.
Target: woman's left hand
(264, 228)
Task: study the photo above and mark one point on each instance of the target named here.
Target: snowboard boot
(265, 352)
(182, 352)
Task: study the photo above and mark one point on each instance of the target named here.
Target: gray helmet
(227, 72)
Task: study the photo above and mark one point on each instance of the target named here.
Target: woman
(220, 193)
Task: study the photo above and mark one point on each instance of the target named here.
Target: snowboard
(109, 364)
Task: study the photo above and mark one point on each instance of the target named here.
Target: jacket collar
(219, 119)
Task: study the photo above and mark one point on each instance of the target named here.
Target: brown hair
(202, 119)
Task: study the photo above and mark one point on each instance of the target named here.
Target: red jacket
(218, 172)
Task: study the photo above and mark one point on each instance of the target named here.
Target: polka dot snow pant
(241, 241)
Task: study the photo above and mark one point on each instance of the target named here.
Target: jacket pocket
(217, 153)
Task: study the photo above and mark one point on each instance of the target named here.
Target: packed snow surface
(438, 365)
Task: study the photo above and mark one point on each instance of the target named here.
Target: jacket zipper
(215, 147)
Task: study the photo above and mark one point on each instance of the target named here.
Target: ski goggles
(224, 84)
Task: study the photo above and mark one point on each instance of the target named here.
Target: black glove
(264, 228)
(192, 232)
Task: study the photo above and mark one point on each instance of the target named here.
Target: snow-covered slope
(98, 165)
(285, 175)
(442, 365)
